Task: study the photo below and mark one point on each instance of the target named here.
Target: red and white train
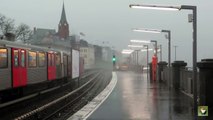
(23, 66)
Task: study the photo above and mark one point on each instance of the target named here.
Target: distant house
(88, 54)
(43, 36)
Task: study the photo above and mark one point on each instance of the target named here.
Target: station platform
(136, 98)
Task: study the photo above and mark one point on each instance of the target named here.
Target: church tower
(63, 26)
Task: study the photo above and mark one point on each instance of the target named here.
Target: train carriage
(35, 68)
(5, 68)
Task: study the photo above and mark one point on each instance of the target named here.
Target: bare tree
(2, 22)
(6, 24)
(23, 33)
(10, 32)
(7, 27)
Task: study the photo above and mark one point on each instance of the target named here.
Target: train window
(15, 52)
(41, 59)
(22, 58)
(3, 58)
(32, 59)
(49, 59)
(58, 59)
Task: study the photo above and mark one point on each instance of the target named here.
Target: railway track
(100, 83)
(12, 109)
(66, 105)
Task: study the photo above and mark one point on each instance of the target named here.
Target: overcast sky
(112, 20)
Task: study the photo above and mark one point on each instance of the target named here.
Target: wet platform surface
(136, 98)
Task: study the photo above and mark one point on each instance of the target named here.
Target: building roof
(63, 16)
(42, 32)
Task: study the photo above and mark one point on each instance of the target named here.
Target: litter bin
(176, 66)
(205, 85)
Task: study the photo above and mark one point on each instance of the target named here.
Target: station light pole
(156, 48)
(160, 52)
(194, 20)
(159, 31)
(147, 59)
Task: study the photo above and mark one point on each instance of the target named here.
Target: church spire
(63, 27)
(63, 16)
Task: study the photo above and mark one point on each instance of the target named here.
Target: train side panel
(5, 68)
(37, 73)
(75, 63)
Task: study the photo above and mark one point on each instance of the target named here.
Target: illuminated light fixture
(144, 50)
(140, 41)
(145, 68)
(159, 50)
(123, 52)
(137, 46)
(127, 50)
(146, 30)
(155, 7)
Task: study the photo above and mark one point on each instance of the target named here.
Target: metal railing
(186, 81)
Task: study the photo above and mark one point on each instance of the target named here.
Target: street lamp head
(147, 30)
(136, 46)
(127, 51)
(123, 52)
(155, 7)
(144, 50)
(140, 41)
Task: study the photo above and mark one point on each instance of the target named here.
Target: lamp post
(160, 52)
(169, 46)
(147, 59)
(194, 12)
(156, 48)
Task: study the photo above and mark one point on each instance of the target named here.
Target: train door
(49, 69)
(19, 70)
(51, 66)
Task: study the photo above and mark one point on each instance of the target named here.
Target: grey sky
(112, 20)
